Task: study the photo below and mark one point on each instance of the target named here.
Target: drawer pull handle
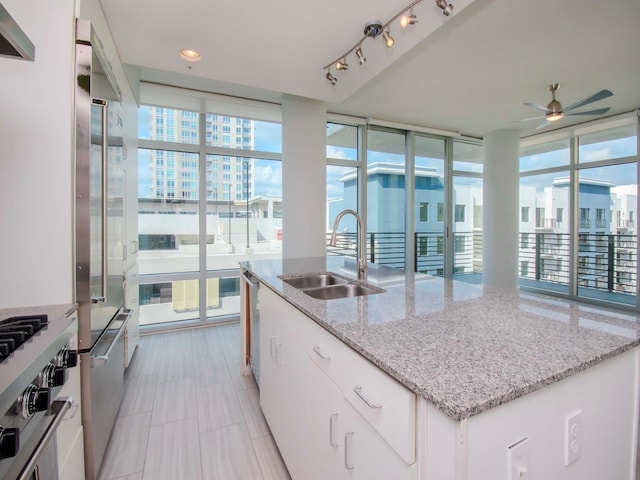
(71, 412)
(320, 354)
(348, 463)
(278, 349)
(332, 422)
(272, 342)
(358, 390)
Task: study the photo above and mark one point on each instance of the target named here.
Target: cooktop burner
(14, 331)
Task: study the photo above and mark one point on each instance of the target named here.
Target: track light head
(342, 64)
(407, 20)
(360, 56)
(388, 39)
(446, 8)
(332, 80)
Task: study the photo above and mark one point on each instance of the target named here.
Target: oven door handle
(60, 407)
(100, 360)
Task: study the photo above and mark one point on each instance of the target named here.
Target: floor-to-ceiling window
(210, 195)
(429, 205)
(544, 214)
(386, 156)
(343, 167)
(578, 201)
(445, 176)
(467, 211)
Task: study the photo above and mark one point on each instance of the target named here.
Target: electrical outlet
(573, 437)
(519, 460)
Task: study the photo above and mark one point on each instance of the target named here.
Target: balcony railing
(585, 223)
(388, 248)
(621, 223)
(605, 262)
(546, 223)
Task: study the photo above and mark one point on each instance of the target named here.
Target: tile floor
(188, 414)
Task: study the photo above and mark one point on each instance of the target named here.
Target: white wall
(36, 175)
(606, 395)
(36, 152)
(303, 177)
(501, 209)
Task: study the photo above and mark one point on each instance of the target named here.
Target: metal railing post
(372, 247)
(537, 259)
(415, 251)
(611, 253)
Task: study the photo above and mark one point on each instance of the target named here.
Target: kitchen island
(489, 370)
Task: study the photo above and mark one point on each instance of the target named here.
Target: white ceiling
(470, 72)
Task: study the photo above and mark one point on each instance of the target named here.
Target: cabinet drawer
(387, 405)
(325, 350)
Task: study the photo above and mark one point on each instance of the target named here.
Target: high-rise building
(174, 174)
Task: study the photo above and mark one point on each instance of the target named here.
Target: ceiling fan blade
(537, 107)
(599, 111)
(586, 101)
(543, 124)
(532, 118)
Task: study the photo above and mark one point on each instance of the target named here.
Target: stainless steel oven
(35, 357)
(40, 456)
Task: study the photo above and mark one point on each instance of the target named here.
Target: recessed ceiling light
(190, 55)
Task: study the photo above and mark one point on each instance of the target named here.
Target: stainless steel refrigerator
(99, 243)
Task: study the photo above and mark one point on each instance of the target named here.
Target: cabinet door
(269, 369)
(293, 405)
(368, 456)
(326, 427)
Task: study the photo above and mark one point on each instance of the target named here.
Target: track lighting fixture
(376, 28)
(446, 8)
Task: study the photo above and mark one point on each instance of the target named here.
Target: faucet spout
(362, 241)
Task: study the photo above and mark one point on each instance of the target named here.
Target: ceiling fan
(554, 111)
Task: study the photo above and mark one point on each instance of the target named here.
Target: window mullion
(202, 214)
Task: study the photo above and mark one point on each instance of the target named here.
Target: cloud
(595, 155)
(336, 152)
(267, 178)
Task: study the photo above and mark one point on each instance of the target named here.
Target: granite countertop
(465, 348)
(53, 311)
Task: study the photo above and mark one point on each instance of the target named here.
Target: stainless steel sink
(341, 291)
(314, 280)
(329, 286)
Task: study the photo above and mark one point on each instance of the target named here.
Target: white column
(303, 177)
(500, 213)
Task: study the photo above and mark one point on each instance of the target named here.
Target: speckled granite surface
(463, 347)
(53, 311)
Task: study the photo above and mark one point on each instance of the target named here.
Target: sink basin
(341, 291)
(328, 286)
(314, 280)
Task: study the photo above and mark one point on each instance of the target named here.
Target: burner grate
(14, 331)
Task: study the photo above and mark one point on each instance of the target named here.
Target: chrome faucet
(362, 242)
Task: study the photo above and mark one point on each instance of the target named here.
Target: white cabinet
(283, 381)
(326, 427)
(69, 442)
(131, 301)
(320, 434)
(387, 405)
